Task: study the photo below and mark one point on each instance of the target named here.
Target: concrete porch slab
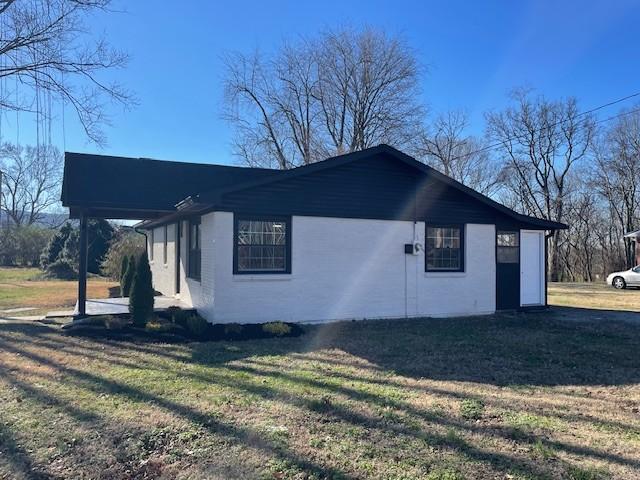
(119, 306)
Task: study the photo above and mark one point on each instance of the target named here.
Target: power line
(621, 114)
(560, 122)
(610, 103)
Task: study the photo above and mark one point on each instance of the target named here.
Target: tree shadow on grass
(507, 350)
(332, 411)
(18, 460)
(99, 385)
(234, 434)
(495, 351)
(503, 350)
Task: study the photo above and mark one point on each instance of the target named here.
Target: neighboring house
(371, 234)
(635, 238)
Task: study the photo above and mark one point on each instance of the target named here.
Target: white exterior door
(532, 267)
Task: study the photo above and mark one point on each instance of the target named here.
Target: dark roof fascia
(116, 213)
(165, 162)
(193, 210)
(213, 198)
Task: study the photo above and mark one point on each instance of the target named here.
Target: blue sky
(474, 53)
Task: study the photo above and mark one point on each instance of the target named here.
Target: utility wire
(560, 122)
(621, 114)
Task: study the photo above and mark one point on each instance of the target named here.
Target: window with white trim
(444, 250)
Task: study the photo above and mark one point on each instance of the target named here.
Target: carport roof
(141, 188)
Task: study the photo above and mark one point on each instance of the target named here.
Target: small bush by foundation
(233, 330)
(197, 326)
(277, 329)
(178, 316)
(177, 326)
(158, 325)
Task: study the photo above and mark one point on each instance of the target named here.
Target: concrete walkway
(118, 306)
(12, 314)
(28, 318)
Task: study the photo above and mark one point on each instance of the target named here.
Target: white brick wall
(341, 269)
(163, 274)
(470, 292)
(198, 293)
(353, 269)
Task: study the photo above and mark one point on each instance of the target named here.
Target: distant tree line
(348, 89)
(56, 251)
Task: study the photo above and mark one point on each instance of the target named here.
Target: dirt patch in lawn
(509, 396)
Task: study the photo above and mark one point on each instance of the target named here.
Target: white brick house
(374, 234)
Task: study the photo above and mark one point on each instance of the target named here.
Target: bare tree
(541, 141)
(339, 92)
(30, 182)
(43, 47)
(446, 147)
(617, 176)
(579, 247)
(260, 136)
(609, 234)
(368, 85)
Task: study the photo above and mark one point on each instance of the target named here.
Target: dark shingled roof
(113, 183)
(140, 188)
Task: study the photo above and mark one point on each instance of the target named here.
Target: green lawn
(11, 274)
(508, 397)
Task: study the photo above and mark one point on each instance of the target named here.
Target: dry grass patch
(519, 397)
(594, 295)
(24, 287)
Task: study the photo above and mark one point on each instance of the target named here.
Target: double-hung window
(262, 244)
(194, 249)
(444, 248)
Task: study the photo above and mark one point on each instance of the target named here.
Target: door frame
(178, 255)
(542, 265)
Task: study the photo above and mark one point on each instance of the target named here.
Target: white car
(628, 278)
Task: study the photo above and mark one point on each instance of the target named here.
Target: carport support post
(82, 268)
